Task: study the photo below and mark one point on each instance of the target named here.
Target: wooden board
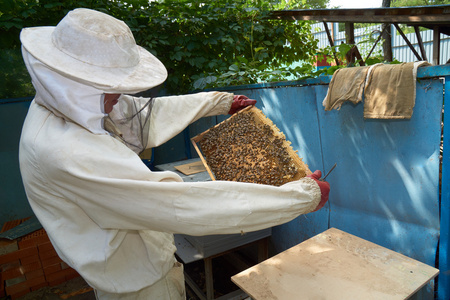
(191, 168)
(248, 147)
(335, 265)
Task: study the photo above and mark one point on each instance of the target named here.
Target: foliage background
(201, 43)
(401, 3)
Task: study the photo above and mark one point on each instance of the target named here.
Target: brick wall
(30, 263)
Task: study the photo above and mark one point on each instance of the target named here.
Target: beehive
(248, 147)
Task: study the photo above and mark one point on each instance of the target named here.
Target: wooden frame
(260, 119)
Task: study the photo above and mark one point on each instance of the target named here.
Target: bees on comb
(248, 147)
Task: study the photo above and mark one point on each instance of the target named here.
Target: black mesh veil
(130, 122)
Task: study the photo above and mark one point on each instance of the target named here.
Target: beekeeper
(108, 216)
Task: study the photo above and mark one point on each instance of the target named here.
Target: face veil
(130, 122)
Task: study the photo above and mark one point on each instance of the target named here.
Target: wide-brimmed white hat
(97, 49)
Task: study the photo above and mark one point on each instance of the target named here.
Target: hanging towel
(390, 91)
(347, 84)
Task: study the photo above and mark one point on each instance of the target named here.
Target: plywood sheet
(335, 265)
(191, 168)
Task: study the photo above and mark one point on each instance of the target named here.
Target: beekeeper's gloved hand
(324, 188)
(240, 102)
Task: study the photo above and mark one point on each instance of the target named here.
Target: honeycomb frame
(274, 164)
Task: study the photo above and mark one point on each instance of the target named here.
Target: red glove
(240, 102)
(324, 188)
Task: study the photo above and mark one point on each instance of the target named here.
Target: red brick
(52, 269)
(32, 267)
(2, 288)
(27, 243)
(45, 247)
(17, 288)
(61, 276)
(34, 274)
(56, 275)
(33, 239)
(72, 274)
(51, 261)
(36, 281)
(18, 254)
(14, 281)
(57, 281)
(18, 295)
(10, 265)
(36, 241)
(30, 259)
(12, 273)
(47, 254)
(38, 286)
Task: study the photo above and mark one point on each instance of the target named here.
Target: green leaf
(54, 4)
(344, 48)
(178, 55)
(234, 68)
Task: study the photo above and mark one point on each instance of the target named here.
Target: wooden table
(335, 265)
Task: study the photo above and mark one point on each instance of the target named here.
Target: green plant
(15, 15)
(222, 42)
(196, 40)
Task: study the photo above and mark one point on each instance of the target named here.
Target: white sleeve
(171, 115)
(117, 191)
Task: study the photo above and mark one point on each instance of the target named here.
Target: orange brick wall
(30, 263)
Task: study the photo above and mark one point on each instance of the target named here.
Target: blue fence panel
(293, 110)
(386, 185)
(387, 179)
(444, 246)
(13, 201)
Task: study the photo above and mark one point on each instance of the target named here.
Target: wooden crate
(248, 147)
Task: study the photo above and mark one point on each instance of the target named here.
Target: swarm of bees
(248, 147)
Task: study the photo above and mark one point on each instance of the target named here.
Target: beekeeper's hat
(96, 49)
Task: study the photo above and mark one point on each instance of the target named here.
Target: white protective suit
(109, 216)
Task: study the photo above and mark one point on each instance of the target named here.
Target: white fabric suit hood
(66, 98)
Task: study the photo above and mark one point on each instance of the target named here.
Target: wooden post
(350, 39)
(419, 40)
(263, 249)
(436, 45)
(349, 33)
(387, 35)
(209, 278)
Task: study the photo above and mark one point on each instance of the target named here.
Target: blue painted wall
(386, 186)
(13, 201)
